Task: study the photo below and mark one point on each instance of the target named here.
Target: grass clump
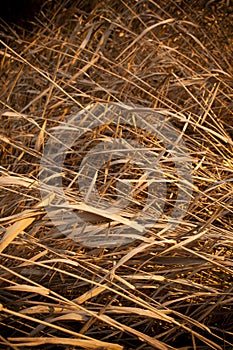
(167, 291)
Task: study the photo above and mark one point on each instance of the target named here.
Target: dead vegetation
(167, 291)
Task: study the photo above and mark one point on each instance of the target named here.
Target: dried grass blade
(31, 289)
(69, 316)
(85, 344)
(108, 215)
(152, 341)
(17, 181)
(161, 314)
(13, 231)
(89, 294)
(170, 20)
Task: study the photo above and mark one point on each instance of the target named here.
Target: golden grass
(166, 291)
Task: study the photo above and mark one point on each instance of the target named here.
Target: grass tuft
(162, 291)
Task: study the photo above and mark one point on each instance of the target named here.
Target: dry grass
(165, 292)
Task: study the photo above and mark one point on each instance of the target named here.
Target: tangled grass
(163, 292)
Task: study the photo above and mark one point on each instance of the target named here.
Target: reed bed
(167, 290)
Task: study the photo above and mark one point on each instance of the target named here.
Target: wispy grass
(164, 291)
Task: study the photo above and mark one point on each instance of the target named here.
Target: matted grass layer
(165, 291)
